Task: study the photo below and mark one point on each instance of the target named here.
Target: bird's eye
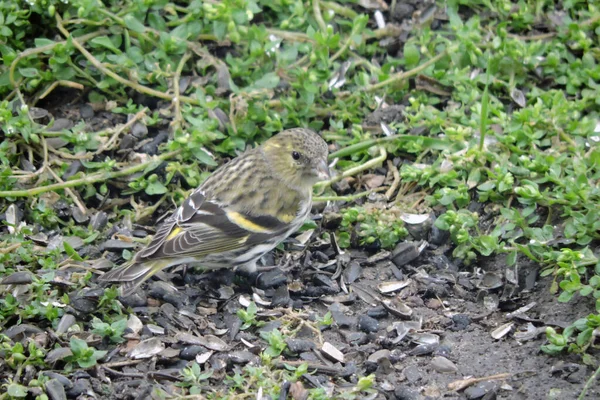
(295, 155)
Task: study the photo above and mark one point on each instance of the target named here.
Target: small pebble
(480, 390)
(412, 373)
(404, 393)
(86, 111)
(378, 355)
(461, 322)
(80, 387)
(66, 321)
(190, 352)
(367, 324)
(356, 338)
(434, 304)
(300, 345)
(377, 312)
(99, 221)
(404, 253)
(443, 365)
(55, 390)
(271, 279)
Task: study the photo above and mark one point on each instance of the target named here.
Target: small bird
(242, 211)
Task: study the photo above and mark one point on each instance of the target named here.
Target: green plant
(249, 316)
(113, 331)
(373, 224)
(276, 341)
(194, 378)
(83, 355)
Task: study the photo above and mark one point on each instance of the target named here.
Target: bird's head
(298, 157)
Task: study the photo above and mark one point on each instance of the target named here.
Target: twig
(293, 36)
(353, 171)
(54, 84)
(112, 140)
(396, 183)
(319, 16)
(69, 192)
(88, 180)
(123, 374)
(464, 383)
(176, 123)
(320, 199)
(68, 156)
(124, 363)
(10, 248)
(340, 9)
(390, 30)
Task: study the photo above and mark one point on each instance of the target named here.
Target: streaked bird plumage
(242, 211)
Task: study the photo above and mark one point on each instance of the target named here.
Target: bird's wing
(200, 227)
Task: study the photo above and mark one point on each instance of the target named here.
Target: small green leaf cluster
(113, 331)
(372, 224)
(83, 355)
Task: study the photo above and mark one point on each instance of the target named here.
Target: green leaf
(5, 31)
(269, 81)
(204, 157)
(586, 290)
(156, 187)
(565, 297)
(29, 72)
(104, 42)
(71, 252)
(78, 346)
(157, 22)
(86, 362)
(411, 55)
(584, 337)
(132, 23)
(511, 258)
(40, 42)
(16, 390)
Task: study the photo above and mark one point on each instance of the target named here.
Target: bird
(243, 210)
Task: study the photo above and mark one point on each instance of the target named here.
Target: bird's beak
(322, 170)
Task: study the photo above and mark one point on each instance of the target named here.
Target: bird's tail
(132, 275)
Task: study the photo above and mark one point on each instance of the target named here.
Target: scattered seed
(147, 349)
(443, 365)
(390, 287)
(331, 352)
(502, 330)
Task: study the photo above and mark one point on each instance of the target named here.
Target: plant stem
(88, 180)
(319, 16)
(319, 199)
(589, 383)
(400, 76)
(353, 171)
(431, 143)
(340, 9)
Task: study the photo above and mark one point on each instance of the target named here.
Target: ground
(454, 253)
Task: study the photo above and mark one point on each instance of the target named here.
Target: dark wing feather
(201, 227)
